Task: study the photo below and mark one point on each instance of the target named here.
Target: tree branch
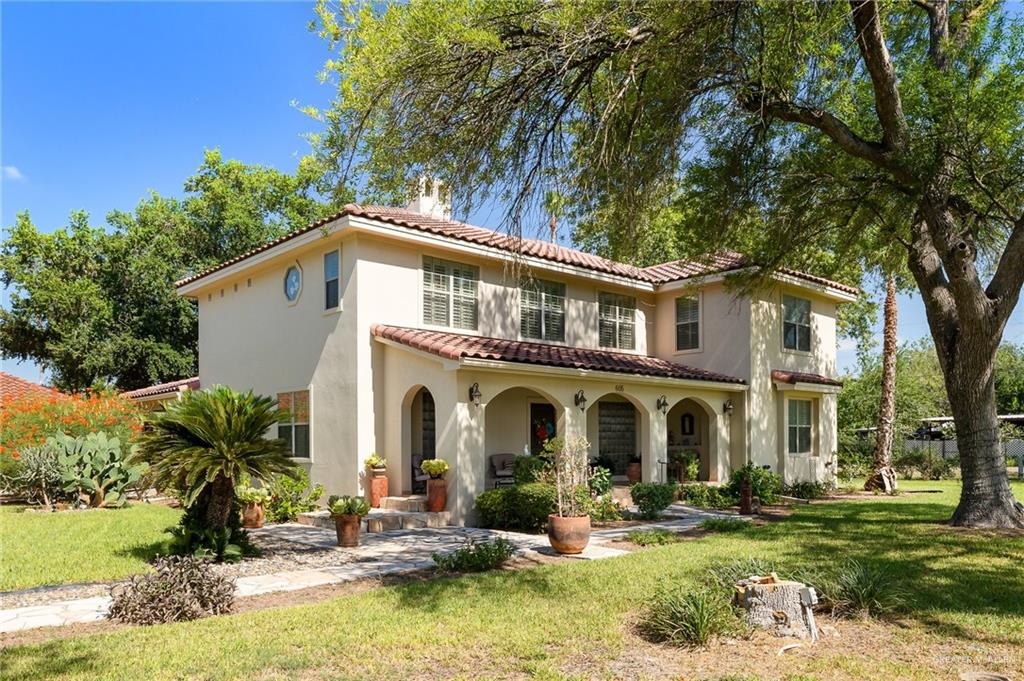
(876, 57)
(1004, 289)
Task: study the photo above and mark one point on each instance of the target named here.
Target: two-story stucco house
(402, 332)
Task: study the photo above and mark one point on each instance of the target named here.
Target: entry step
(382, 520)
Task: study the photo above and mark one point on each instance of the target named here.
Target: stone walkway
(379, 554)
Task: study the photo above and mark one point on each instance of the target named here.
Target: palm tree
(883, 477)
(203, 443)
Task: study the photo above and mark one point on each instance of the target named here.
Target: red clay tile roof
(795, 377)
(456, 346)
(163, 388)
(14, 388)
(656, 274)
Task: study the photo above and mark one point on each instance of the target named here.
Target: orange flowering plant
(27, 421)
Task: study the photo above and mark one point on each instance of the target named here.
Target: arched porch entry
(689, 431)
(518, 421)
(419, 437)
(618, 429)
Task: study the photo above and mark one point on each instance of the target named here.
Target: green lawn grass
(41, 549)
(559, 621)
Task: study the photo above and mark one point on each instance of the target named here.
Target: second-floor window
(687, 323)
(542, 311)
(617, 321)
(796, 323)
(332, 280)
(449, 293)
(293, 425)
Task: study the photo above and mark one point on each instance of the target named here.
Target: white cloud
(12, 173)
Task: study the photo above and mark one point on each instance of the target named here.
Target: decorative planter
(633, 472)
(347, 527)
(252, 516)
(569, 535)
(437, 494)
(378, 486)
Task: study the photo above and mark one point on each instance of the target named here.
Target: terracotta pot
(569, 535)
(347, 527)
(378, 487)
(437, 495)
(633, 472)
(252, 516)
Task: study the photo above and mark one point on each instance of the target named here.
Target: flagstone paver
(379, 554)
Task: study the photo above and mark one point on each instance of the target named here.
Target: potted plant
(348, 512)
(633, 469)
(684, 465)
(377, 466)
(437, 487)
(253, 500)
(569, 526)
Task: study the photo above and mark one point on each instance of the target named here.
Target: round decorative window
(292, 283)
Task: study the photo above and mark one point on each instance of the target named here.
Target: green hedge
(520, 507)
(764, 484)
(651, 498)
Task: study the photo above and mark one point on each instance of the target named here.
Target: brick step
(382, 520)
(413, 503)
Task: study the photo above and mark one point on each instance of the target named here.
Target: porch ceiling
(458, 347)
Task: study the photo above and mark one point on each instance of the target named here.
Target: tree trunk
(884, 477)
(986, 499)
(222, 494)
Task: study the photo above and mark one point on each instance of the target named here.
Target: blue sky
(102, 103)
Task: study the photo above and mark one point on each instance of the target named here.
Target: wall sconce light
(727, 408)
(580, 400)
(663, 404)
(474, 394)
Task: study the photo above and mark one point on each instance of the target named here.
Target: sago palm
(202, 444)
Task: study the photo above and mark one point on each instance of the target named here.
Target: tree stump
(773, 604)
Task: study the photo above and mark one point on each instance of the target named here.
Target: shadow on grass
(51, 660)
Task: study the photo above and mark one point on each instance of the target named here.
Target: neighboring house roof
(795, 377)
(12, 388)
(163, 388)
(656, 274)
(456, 346)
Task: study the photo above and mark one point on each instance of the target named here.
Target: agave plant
(202, 444)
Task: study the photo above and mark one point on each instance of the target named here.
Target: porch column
(575, 421)
(720, 423)
(657, 446)
(470, 479)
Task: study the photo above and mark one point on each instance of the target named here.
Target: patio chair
(501, 469)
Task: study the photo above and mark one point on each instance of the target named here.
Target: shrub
(252, 495)
(27, 421)
(192, 536)
(600, 481)
(94, 468)
(38, 477)
(809, 490)
(652, 537)
(724, 525)
(856, 589)
(182, 588)
(572, 478)
(923, 462)
(527, 469)
(764, 484)
(291, 495)
(688, 617)
(686, 465)
(605, 508)
(705, 496)
(520, 507)
(651, 498)
(854, 456)
(474, 556)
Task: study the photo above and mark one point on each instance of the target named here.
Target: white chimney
(431, 197)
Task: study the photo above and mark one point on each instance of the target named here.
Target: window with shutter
(796, 323)
(616, 321)
(687, 323)
(449, 294)
(542, 311)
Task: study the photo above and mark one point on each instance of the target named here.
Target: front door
(542, 425)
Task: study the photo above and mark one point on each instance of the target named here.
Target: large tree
(817, 125)
(97, 304)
